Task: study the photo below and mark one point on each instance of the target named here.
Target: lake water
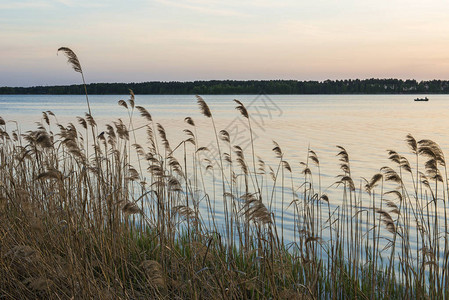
(366, 125)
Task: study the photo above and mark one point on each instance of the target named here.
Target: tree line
(349, 86)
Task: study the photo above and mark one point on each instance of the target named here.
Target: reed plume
(144, 113)
(73, 60)
(189, 121)
(204, 108)
(411, 142)
(153, 271)
(241, 108)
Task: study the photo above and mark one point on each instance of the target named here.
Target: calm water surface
(366, 125)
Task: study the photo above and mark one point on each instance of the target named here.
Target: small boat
(422, 99)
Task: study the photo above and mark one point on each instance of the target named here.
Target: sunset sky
(183, 40)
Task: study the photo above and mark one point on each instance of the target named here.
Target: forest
(211, 87)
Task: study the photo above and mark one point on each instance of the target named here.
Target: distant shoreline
(242, 87)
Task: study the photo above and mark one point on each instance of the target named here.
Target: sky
(185, 40)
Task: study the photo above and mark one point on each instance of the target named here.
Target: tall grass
(76, 225)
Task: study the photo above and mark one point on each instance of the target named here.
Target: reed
(73, 227)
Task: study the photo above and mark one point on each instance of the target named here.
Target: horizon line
(231, 80)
